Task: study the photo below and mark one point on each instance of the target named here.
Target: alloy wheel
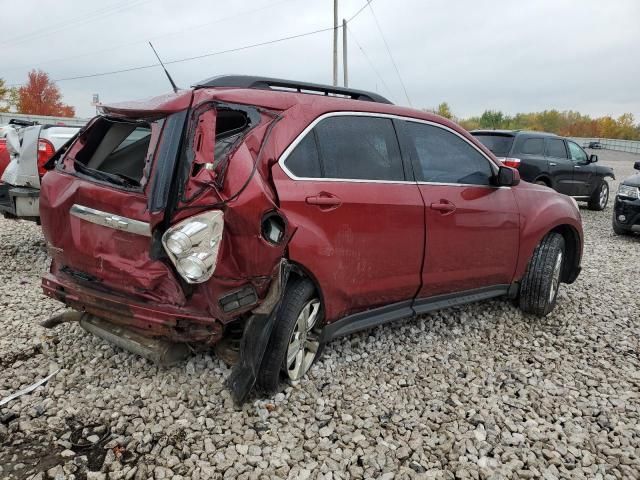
(604, 195)
(304, 342)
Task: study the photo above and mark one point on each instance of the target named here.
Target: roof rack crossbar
(266, 83)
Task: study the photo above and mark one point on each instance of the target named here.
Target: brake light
(510, 162)
(45, 152)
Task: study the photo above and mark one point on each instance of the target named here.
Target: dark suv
(292, 213)
(547, 159)
(626, 209)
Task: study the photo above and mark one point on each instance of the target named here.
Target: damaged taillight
(193, 245)
(45, 152)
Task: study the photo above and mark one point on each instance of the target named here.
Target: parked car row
(295, 213)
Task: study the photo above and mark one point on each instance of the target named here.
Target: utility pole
(344, 53)
(335, 43)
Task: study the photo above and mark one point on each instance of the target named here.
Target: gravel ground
(474, 392)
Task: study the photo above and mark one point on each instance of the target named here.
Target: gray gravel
(474, 392)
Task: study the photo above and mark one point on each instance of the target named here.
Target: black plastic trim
(267, 83)
(408, 309)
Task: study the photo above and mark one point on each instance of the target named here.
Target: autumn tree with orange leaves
(40, 96)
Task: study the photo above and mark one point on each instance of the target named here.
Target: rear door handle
(324, 200)
(444, 207)
(552, 164)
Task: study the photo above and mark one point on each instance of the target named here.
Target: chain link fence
(631, 146)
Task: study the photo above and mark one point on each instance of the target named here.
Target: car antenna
(173, 84)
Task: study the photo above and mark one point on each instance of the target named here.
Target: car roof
(513, 133)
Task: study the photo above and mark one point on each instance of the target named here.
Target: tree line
(566, 123)
(39, 96)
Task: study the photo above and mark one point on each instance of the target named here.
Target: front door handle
(552, 164)
(445, 207)
(324, 200)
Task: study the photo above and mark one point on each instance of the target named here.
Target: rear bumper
(158, 321)
(19, 202)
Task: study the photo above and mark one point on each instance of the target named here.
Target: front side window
(533, 146)
(577, 154)
(555, 148)
(444, 157)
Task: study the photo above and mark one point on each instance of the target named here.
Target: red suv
(291, 213)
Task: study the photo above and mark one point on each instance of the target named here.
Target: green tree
(444, 110)
(7, 96)
(491, 119)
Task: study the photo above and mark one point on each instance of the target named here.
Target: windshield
(500, 145)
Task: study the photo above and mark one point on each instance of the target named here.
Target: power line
(366, 3)
(96, 15)
(197, 57)
(390, 54)
(168, 34)
(370, 63)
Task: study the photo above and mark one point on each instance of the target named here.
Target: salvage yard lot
(467, 392)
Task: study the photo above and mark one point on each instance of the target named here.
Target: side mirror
(636, 166)
(507, 177)
(593, 158)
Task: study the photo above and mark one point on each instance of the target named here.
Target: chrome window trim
(303, 134)
(110, 220)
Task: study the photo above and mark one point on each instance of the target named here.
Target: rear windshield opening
(500, 145)
(116, 148)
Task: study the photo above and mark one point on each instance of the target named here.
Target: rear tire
(600, 197)
(541, 182)
(294, 343)
(541, 282)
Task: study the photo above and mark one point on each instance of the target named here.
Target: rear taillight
(510, 162)
(45, 152)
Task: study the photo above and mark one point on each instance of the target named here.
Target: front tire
(541, 282)
(600, 197)
(294, 343)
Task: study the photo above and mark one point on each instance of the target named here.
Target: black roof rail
(266, 83)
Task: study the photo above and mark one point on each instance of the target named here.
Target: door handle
(576, 166)
(444, 207)
(324, 200)
(552, 164)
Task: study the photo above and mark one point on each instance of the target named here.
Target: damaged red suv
(287, 214)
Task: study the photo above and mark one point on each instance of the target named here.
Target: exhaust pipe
(160, 352)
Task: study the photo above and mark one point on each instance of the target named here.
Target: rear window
(500, 145)
(116, 150)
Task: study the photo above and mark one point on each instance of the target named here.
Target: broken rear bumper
(19, 202)
(165, 321)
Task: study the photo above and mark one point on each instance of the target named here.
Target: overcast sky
(510, 55)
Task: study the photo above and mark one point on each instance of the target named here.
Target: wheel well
(545, 179)
(571, 266)
(298, 272)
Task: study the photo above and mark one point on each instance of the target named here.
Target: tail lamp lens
(510, 162)
(193, 245)
(45, 152)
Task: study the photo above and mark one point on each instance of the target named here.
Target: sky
(514, 56)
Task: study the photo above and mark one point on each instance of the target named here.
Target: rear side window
(555, 148)
(444, 157)
(304, 160)
(533, 146)
(500, 145)
(360, 148)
